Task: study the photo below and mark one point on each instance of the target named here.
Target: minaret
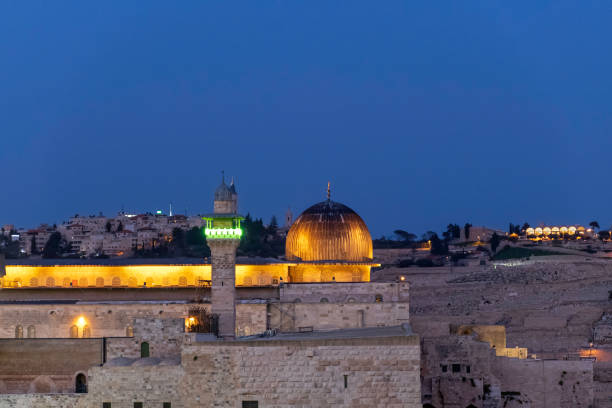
(223, 232)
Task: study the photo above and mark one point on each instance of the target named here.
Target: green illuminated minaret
(223, 232)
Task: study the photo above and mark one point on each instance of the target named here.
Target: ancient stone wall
(548, 383)
(164, 337)
(326, 316)
(42, 400)
(46, 365)
(150, 384)
(362, 292)
(364, 372)
(103, 320)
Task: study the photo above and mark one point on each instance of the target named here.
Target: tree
(405, 236)
(495, 240)
(33, 246)
(428, 235)
(594, 225)
(438, 247)
(273, 222)
(53, 247)
(525, 226)
(466, 230)
(273, 226)
(456, 231)
(108, 226)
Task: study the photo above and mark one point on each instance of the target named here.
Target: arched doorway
(80, 386)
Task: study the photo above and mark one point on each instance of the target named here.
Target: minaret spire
(328, 191)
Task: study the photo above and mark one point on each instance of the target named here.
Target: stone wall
(351, 372)
(164, 337)
(326, 316)
(46, 365)
(362, 292)
(548, 383)
(122, 386)
(347, 302)
(42, 400)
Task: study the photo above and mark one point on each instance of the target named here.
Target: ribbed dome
(329, 231)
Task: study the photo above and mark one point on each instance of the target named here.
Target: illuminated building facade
(551, 232)
(328, 242)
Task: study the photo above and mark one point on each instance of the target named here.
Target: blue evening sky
(420, 113)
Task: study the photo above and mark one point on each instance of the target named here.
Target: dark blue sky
(419, 114)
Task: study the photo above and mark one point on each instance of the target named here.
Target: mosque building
(328, 242)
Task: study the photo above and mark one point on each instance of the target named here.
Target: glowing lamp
(530, 231)
(546, 231)
(538, 231)
(81, 322)
(563, 230)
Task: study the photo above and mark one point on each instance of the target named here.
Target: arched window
(31, 332)
(80, 386)
(297, 300)
(66, 282)
(83, 282)
(50, 282)
(116, 281)
(18, 332)
(182, 281)
(132, 282)
(74, 331)
(86, 331)
(166, 281)
(144, 349)
(129, 331)
(378, 298)
(324, 300)
(351, 300)
(99, 282)
(34, 282)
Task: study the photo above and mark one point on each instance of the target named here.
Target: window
(456, 368)
(378, 298)
(467, 369)
(444, 368)
(116, 281)
(129, 331)
(324, 300)
(74, 331)
(345, 381)
(31, 332)
(250, 404)
(144, 349)
(86, 331)
(106, 405)
(18, 332)
(50, 282)
(99, 282)
(138, 405)
(167, 405)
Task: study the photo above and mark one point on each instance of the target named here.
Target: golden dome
(329, 231)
